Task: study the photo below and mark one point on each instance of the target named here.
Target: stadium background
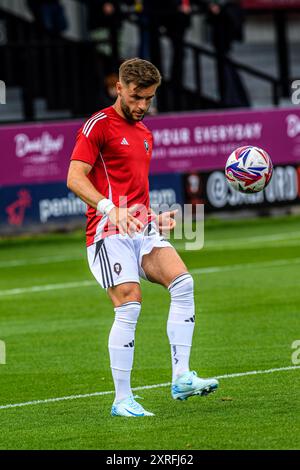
(53, 82)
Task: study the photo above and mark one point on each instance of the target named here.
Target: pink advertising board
(36, 153)
(40, 153)
(271, 4)
(203, 141)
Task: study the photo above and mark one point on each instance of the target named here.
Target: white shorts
(118, 258)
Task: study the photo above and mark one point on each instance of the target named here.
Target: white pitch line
(36, 261)
(255, 239)
(208, 270)
(214, 244)
(145, 387)
(47, 287)
(232, 267)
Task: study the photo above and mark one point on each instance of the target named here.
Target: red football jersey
(119, 152)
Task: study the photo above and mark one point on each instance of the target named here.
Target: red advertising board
(271, 4)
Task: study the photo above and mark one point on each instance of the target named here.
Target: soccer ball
(249, 169)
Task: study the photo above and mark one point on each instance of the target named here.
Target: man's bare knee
(127, 292)
(163, 265)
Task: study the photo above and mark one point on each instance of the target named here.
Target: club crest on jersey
(117, 268)
(146, 145)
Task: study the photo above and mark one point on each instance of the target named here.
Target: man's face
(134, 101)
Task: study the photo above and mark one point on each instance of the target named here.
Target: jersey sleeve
(90, 140)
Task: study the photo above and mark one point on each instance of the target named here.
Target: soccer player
(109, 171)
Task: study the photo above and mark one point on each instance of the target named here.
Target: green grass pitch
(247, 318)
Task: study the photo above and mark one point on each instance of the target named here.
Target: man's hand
(124, 220)
(166, 222)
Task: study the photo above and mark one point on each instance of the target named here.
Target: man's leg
(164, 266)
(121, 280)
(126, 299)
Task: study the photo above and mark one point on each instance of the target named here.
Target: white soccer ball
(249, 169)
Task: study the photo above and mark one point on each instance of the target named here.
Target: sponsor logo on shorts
(117, 268)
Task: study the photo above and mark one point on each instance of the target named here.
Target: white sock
(121, 347)
(181, 322)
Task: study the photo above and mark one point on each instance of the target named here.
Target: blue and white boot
(129, 408)
(188, 384)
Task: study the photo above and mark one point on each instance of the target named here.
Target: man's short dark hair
(140, 72)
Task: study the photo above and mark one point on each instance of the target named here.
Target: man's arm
(79, 183)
